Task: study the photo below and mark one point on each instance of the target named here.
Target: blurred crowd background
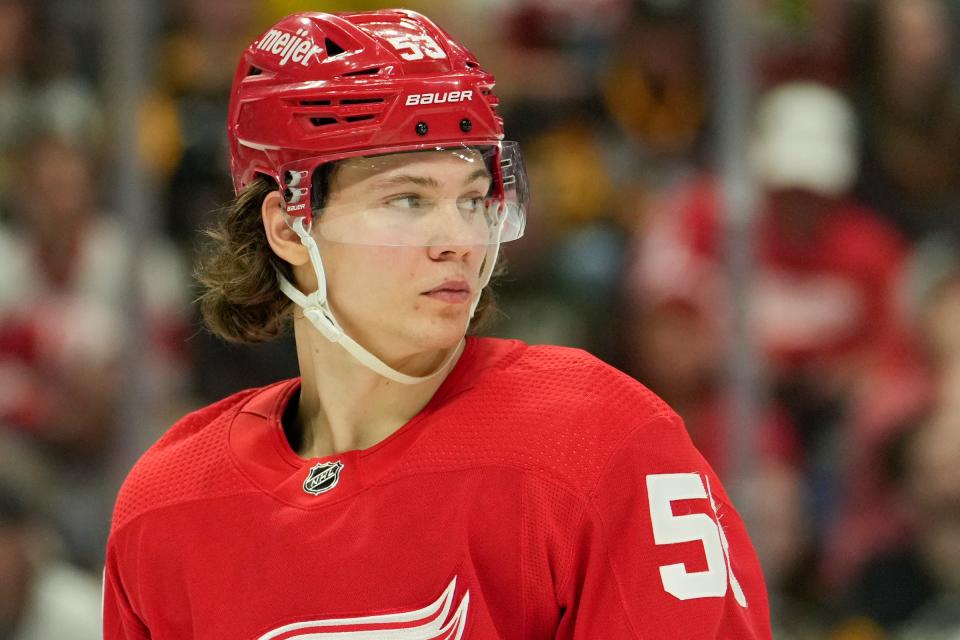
(852, 493)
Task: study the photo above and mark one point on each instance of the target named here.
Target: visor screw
(422, 128)
(466, 125)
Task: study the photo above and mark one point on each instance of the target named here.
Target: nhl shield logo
(322, 477)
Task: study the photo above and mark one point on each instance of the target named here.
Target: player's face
(404, 300)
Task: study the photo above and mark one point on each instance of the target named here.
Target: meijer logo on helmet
(438, 98)
(289, 46)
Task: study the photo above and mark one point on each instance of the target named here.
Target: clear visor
(460, 195)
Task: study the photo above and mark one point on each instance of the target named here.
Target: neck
(345, 406)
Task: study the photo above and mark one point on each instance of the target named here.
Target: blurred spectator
(63, 317)
(609, 98)
(183, 119)
(562, 276)
(826, 307)
(38, 90)
(908, 582)
(41, 596)
(554, 48)
(912, 590)
(933, 488)
(675, 344)
(910, 106)
(184, 140)
(655, 84)
(63, 262)
(547, 56)
(779, 506)
(827, 287)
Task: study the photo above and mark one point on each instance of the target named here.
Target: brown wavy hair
(239, 296)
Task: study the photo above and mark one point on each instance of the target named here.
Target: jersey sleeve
(661, 553)
(120, 622)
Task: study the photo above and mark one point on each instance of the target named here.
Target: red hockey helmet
(317, 87)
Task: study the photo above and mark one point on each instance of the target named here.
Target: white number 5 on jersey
(663, 489)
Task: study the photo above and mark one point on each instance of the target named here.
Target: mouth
(451, 291)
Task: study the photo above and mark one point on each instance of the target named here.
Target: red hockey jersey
(539, 494)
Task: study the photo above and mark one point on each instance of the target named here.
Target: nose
(450, 251)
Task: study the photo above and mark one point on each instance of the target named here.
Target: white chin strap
(316, 309)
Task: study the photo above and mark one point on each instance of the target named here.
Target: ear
(283, 240)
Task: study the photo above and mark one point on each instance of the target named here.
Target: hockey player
(412, 482)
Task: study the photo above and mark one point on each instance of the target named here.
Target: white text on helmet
(438, 98)
(414, 47)
(289, 46)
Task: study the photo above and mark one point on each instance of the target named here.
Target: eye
(406, 202)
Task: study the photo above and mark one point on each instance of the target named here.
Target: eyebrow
(426, 181)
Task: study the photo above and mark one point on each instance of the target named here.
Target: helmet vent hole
(363, 72)
(361, 101)
(333, 49)
(359, 118)
(254, 71)
(320, 122)
(314, 103)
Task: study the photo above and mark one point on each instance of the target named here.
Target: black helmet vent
(361, 100)
(333, 49)
(363, 72)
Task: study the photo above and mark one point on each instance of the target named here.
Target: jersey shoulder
(190, 461)
(556, 412)
(567, 381)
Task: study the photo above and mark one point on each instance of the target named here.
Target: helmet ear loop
(315, 306)
(303, 230)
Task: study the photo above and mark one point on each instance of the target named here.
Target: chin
(441, 333)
